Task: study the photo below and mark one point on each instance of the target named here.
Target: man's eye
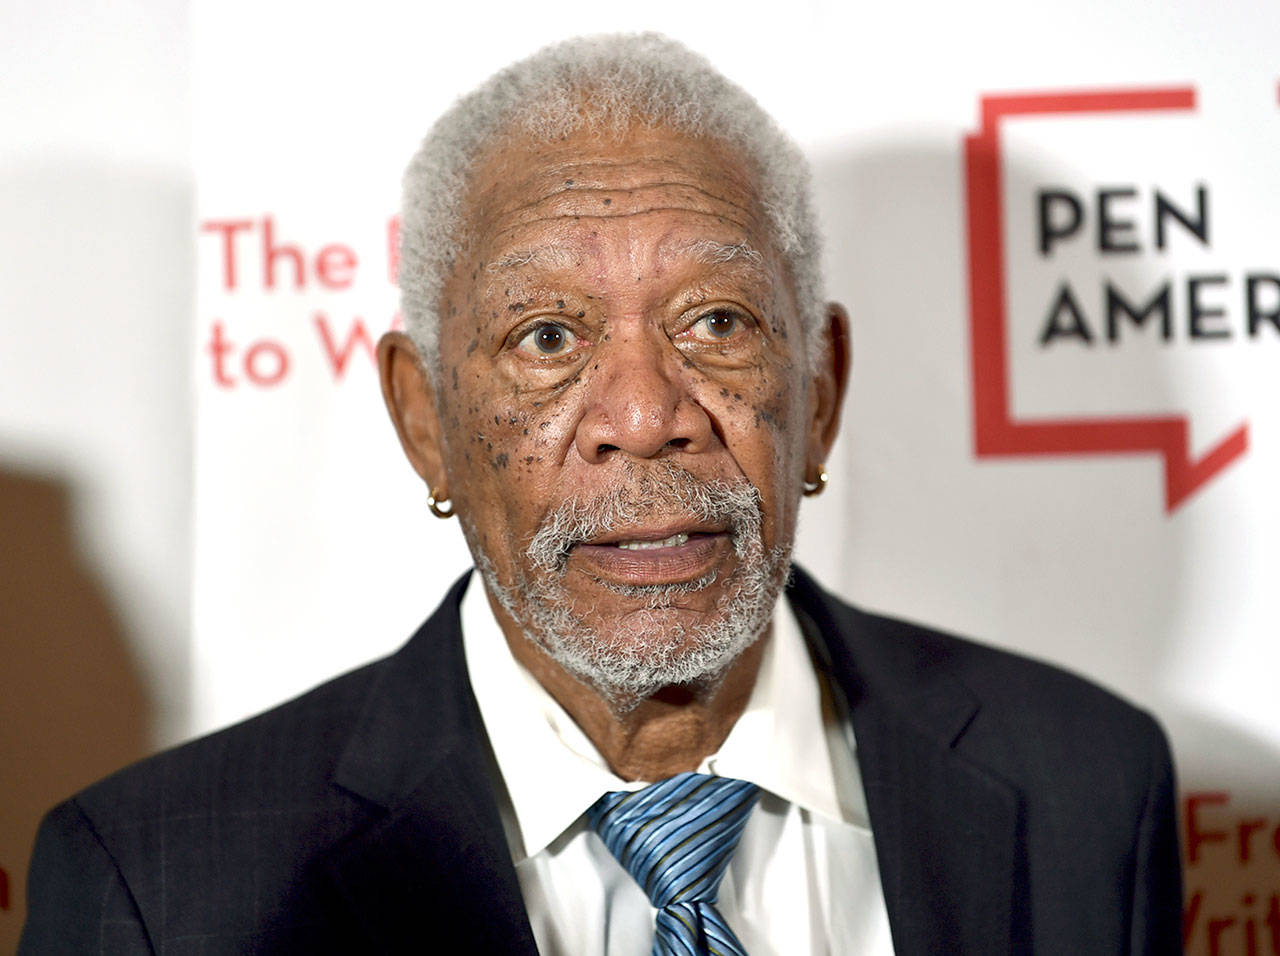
(717, 326)
(550, 338)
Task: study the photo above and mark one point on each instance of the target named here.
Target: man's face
(624, 388)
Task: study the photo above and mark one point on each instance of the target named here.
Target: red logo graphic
(996, 432)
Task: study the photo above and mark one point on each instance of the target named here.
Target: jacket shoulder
(1035, 700)
(902, 659)
(226, 840)
(283, 755)
(286, 755)
(161, 851)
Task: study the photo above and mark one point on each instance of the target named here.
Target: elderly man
(623, 735)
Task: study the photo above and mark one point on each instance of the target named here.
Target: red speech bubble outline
(995, 431)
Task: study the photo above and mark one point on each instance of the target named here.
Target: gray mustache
(664, 489)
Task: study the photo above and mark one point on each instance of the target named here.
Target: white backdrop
(313, 549)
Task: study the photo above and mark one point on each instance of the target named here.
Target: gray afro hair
(607, 84)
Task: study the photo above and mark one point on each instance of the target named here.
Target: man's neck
(663, 734)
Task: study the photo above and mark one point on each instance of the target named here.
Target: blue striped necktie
(675, 838)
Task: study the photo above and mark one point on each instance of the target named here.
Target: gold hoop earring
(813, 489)
(434, 502)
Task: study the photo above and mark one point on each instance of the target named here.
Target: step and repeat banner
(1056, 234)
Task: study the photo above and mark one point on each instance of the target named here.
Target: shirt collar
(780, 742)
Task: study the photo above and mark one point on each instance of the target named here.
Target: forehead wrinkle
(643, 170)
(587, 201)
(627, 203)
(605, 216)
(515, 205)
(572, 182)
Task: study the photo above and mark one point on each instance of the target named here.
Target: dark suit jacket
(1015, 808)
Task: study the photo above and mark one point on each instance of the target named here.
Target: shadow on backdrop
(72, 704)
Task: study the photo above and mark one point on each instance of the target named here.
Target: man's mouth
(660, 556)
(658, 537)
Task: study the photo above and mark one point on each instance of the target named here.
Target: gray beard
(650, 647)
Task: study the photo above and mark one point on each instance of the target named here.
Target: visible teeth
(671, 542)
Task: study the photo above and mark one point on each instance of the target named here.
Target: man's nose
(640, 402)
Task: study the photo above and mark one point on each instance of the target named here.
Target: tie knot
(675, 837)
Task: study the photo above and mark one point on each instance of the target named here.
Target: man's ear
(831, 381)
(410, 397)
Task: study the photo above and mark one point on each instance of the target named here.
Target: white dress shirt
(803, 879)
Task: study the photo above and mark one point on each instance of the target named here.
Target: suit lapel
(945, 830)
(945, 835)
(435, 872)
(436, 864)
